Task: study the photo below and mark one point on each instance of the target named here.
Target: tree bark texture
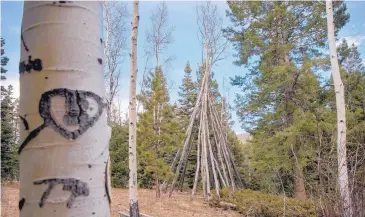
(64, 155)
(343, 182)
(133, 193)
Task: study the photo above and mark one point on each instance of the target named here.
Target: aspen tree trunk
(133, 194)
(341, 116)
(299, 186)
(63, 156)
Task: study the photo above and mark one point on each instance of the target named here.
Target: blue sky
(186, 46)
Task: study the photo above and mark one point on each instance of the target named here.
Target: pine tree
(9, 162)
(279, 43)
(187, 94)
(159, 133)
(119, 155)
(4, 60)
(9, 159)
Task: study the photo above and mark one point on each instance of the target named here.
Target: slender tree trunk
(197, 157)
(224, 178)
(212, 159)
(156, 127)
(64, 154)
(225, 150)
(341, 116)
(133, 193)
(299, 187)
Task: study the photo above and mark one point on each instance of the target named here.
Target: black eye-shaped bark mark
(62, 2)
(35, 65)
(21, 203)
(25, 122)
(100, 61)
(25, 46)
(107, 181)
(75, 186)
(76, 113)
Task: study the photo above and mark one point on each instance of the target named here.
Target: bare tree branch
(115, 46)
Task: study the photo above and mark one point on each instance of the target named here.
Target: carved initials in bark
(35, 65)
(75, 186)
(77, 107)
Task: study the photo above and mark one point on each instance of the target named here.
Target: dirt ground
(179, 205)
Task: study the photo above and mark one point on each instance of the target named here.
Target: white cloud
(356, 40)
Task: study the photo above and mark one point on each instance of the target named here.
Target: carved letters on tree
(77, 106)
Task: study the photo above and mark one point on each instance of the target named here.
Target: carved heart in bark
(77, 105)
(76, 113)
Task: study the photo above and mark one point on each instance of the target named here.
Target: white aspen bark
(219, 173)
(341, 116)
(133, 193)
(205, 158)
(203, 165)
(205, 120)
(63, 156)
(107, 15)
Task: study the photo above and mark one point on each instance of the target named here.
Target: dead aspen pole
(197, 159)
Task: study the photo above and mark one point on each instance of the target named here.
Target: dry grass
(179, 205)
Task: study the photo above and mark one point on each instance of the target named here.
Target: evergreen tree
(4, 60)
(158, 133)
(187, 94)
(9, 158)
(119, 154)
(280, 43)
(9, 163)
(187, 100)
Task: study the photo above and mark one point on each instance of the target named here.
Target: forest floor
(179, 205)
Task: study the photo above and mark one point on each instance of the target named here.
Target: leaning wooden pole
(187, 140)
(133, 193)
(196, 177)
(343, 181)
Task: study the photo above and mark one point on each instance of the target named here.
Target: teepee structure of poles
(214, 163)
